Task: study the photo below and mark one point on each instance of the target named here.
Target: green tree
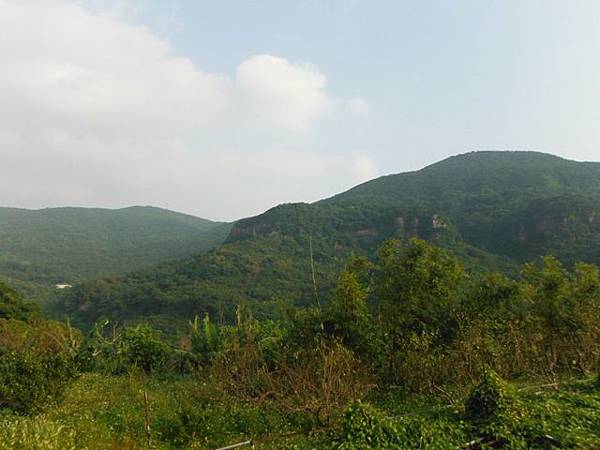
(418, 289)
(144, 348)
(12, 305)
(205, 338)
(347, 315)
(546, 289)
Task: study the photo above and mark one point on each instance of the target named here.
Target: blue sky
(439, 76)
(382, 87)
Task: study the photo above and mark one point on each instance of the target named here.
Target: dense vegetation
(409, 350)
(515, 204)
(495, 210)
(41, 248)
(400, 314)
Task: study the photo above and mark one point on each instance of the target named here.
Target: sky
(225, 109)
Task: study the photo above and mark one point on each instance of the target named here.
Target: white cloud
(89, 73)
(358, 106)
(96, 111)
(281, 94)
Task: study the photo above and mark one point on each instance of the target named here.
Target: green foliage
(144, 348)
(20, 433)
(37, 361)
(363, 426)
(102, 411)
(417, 291)
(205, 338)
(29, 380)
(214, 283)
(493, 210)
(44, 247)
(418, 286)
(409, 331)
(135, 347)
(347, 315)
(515, 204)
(411, 322)
(489, 399)
(12, 305)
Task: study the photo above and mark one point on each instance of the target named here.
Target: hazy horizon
(166, 207)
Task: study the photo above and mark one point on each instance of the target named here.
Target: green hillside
(494, 210)
(41, 248)
(515, 204)
(410, 351)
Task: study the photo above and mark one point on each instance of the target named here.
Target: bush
(144, 348)
(37, 361)
(489, 399)
(138, 346)
(363, 426)
(28, 380)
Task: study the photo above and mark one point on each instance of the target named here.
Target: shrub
(28, 380)
(138, 346)
(36, 362)
(489, 399)
(363, 426)
(143, 348)
(320, 382)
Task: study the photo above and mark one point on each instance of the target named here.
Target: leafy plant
(491, 398)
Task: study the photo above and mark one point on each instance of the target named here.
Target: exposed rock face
(407, 228)
(251, 230)
(415, 227)
(367, 232)
(437, 222)
(347, 227)
(400, 226)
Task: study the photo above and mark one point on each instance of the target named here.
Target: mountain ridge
(494, 210)
(43, 247)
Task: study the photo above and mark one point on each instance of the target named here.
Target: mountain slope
(514, 204)
(493, 209)
(39, 248)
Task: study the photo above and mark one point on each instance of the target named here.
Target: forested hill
(40, 248)
(493, 209)
(487, 174)
(515, 204)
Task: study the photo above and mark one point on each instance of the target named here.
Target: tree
(417, 289)
(12, 305)
(347, 315)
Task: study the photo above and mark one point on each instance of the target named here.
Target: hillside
(516, 204)
(41, 248)
(494, 210)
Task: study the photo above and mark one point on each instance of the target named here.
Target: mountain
(41, 248)
(495, 210)
(514, 204)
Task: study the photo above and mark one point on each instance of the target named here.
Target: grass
(107, 412)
